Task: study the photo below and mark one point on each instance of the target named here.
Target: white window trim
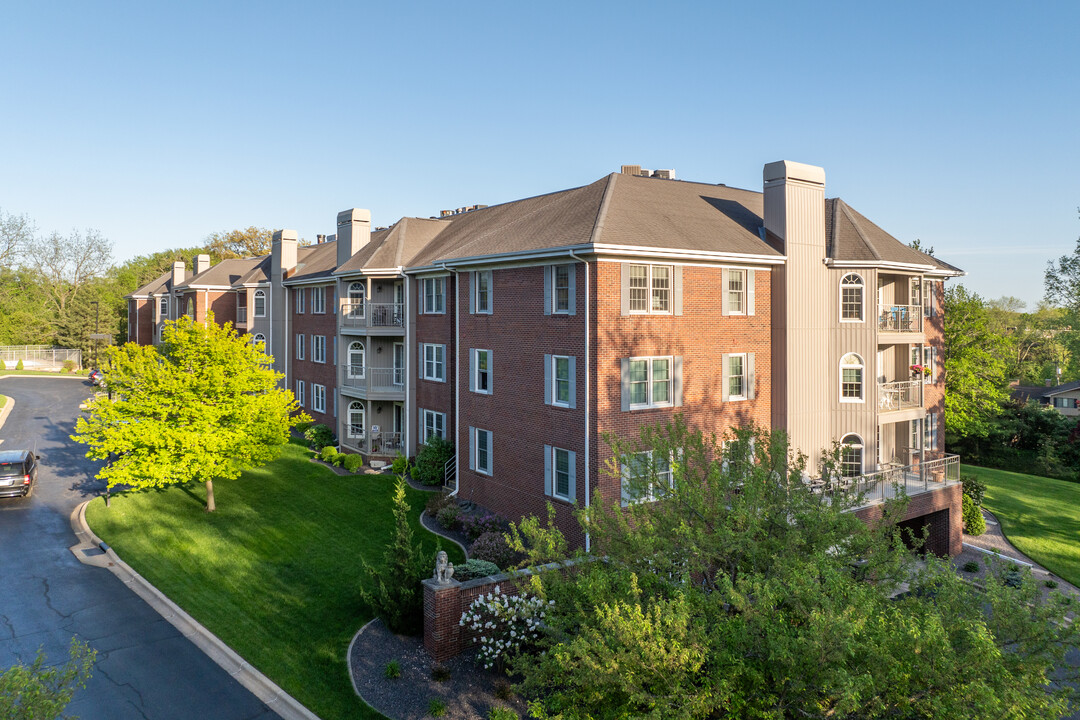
(438, 284)
(474, 371)
(490, 276)
(301, 293)
(555, 381)
(649, 383)
(316, 345)
(318, 398)
(300, 393)
(650, 495)
(648, 288)
(862, 454)
(318, 301)
(929, 359)
(423, 362)
(570, 457)
(299, 346)
(349, 373)
(259, 294)
(554, 289)
(428, 420)
(490, 451)
(862, 378)
(744, 292)
(745, 375)
(862, 297)
(349, 423)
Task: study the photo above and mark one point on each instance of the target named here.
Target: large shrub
(492, 546)
(448, 517)
(473, 568)
(353, 462)
(506, 625)
(973, 488)
(431, 460)
(319, 436)
(437, 501)
(476, 525)
(974, 522)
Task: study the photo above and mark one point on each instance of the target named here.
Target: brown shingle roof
(225, 274)
(162, 283)
(850, 237)
(396, 246)
(314, 261)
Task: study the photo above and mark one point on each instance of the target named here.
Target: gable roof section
(157, 285)
(396, 246)
(851, 238)
(223, 275)
(1064, 388)
(314, 262)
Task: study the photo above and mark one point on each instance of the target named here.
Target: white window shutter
(573, 382)
(725, 305)
(548, 484)
(677, 380)
(549, 383)
(749, 292)
(751, 382)
(548, 274)
(573, 475)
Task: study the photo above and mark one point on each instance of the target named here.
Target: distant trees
(247, 242)
(975, 366)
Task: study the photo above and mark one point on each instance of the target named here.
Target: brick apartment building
(524, 332)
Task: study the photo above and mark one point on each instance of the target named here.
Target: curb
(6, 410)
(92, 551)
(348, 661)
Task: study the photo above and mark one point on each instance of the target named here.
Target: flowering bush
(505, 624)
(476, 525)
(492, 546)
(448, 517)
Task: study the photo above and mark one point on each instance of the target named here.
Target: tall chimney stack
(353, 233)
(177, 273)
(202, 263)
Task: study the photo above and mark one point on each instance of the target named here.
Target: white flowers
(503, 623)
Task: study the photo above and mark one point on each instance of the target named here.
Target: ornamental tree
(203, 405)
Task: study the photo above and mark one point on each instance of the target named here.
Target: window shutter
(335, 349)
(421, 295)
(624, 474)
(624, 286)
(547, 289)
(725, 306)
(751, 382)
(549, 383)
(548, 484)
(472, 448)
(625, 382)
(573, 475)
(677, 380)
(573, 289)
(491, 372)
(491, 293)
(573, 382)
(472, 369)
(677, 290)
(749, 292)
(420, 427)
(472, 292)
(725, 374)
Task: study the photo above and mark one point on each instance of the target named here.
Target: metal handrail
(369, 314)
(450, 473)
(900, 318)
(923, 475)
(902, 395)
(379, 379)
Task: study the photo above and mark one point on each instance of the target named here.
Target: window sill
(852, 401)
(433, 379)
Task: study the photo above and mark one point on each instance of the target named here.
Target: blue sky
(158, 124)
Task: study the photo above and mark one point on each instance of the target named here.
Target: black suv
(18, 473)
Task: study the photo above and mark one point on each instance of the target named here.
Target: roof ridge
(858, 229)
(601, 212)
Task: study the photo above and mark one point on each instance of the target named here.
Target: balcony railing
(904, 395)
(241, 314)
(900, 318)
(375, 379)
(361, 439)
(372, 315)
(931, 471)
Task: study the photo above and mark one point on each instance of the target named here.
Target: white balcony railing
(361, 439)
(372, 379)
(372, 315)
(241, 315)
(900, 318)
(926, 472)
(904, 395)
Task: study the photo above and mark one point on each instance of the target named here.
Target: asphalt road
(145, 668)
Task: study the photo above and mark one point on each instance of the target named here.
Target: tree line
(991, 345)
(58, 289)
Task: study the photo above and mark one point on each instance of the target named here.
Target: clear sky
(160, 123)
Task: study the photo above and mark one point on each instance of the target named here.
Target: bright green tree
(975, 364)
(728, 588)
(205, 404)
(41, 692)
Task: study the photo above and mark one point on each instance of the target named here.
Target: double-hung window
(562, 381)
(480, 375)
(301, 293)
(929, 355)
(434, 300)
(433, 366)
(432, 424)
(481, 299)
(318, 348)
(738, 379)
(300, 393)
(560, 294)
(318, 300)
(851, 378)
(164, 308)
(299, 346)
(851, 298)
(260, 303)
(930, 440)
(650, 382)
(560, 473)
(651, 289)
(735, 289)
(481, 450)
(318, 398)
(646, 476)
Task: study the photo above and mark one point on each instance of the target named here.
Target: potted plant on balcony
(919, 371)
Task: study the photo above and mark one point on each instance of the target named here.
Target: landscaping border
(91, 550)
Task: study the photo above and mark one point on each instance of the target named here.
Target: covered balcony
(926, 471)
(900, 318)
(368, 441)
(376, 382)
(358, 315)
(898, 396)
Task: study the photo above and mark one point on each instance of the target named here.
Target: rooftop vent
(664, 174)
(460, 210)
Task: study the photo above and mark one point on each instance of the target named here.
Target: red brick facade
(940, 509)
(436, 328)
(307, 370)
(141, 320)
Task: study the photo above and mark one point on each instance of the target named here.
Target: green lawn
(1039, 515)
(275, 572)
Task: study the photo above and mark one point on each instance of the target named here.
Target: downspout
(285, 338)
(588, 538)
(457, 383)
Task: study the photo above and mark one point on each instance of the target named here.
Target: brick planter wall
(444, 636)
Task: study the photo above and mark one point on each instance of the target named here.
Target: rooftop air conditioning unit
(631, 170)
(665, 174)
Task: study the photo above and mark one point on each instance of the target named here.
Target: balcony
(241, 316)
(927, 471)
(362, 440)
(376, 383)
(897, 396)
(900, 323)
(378, 316)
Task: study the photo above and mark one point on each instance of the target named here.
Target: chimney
(177, 273)
(282, 255)
(202, 263)
(353, 233)
(795, 213)
(320, 239)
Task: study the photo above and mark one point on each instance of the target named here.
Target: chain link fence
(39, 357)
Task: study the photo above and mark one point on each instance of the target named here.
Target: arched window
(851, 456)
(356, 359)
(191, 308)
(851, 378)
(355, 427)
(851, 298)
(258, 338)
(356, 299)
(260, 303)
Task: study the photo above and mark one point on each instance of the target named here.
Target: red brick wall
(518, 334)
(438, 329)
(141, 320)
(700, 335)
(946, 529)
(310, 324)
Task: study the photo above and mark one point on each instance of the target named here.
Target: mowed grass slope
(1039, 515)
(275, 571)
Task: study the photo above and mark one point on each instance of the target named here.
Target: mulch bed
(470, 691)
